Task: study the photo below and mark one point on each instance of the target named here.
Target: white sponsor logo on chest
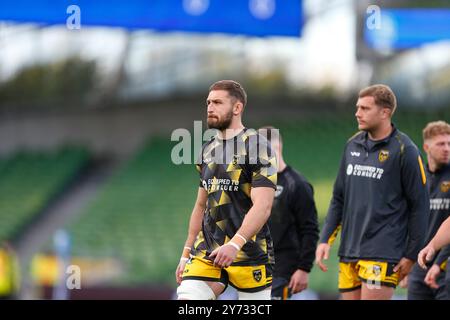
(440, 204)
(365, 171)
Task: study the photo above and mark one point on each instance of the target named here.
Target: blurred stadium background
(89, 97)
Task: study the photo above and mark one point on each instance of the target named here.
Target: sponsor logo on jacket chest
(365, 171)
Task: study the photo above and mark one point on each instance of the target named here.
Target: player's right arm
(333, 221)
(441, 239)
(195, 225)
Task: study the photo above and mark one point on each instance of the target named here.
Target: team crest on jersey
(257, 275)
(383, 155)
(445, 186)
(235, 159)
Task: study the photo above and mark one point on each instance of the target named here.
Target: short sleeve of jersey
(264, 171)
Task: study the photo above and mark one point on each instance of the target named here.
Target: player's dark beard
(223, 124)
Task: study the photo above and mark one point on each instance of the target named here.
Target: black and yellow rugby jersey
(228, 170)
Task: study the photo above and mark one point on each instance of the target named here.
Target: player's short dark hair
(383, 95)
(435, 128)
(233, 88)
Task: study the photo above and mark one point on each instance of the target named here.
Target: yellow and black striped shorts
(243, 278)
(373, 273)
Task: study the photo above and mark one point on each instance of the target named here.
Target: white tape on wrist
(184, 259)
(245, 240)
(231, 243)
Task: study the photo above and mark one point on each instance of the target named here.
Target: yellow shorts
(373, 273)
(243, 278)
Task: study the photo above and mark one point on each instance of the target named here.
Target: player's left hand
(299, 281)
(403, 268)
(426, 255)
(224, 255)
(432, 274)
